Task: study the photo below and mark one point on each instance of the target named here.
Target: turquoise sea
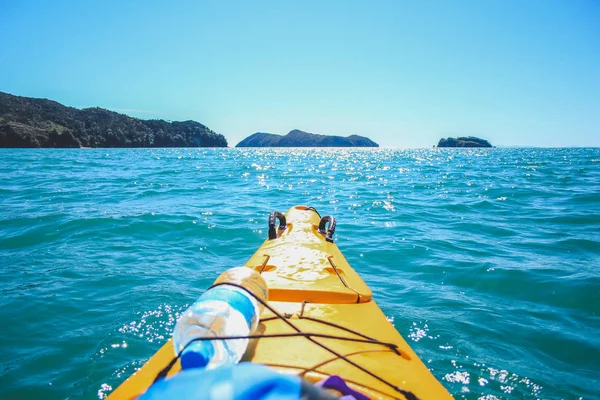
(486, 260)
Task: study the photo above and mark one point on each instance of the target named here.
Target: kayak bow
(321, 320)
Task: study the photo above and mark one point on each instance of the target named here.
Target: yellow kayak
(321, 320)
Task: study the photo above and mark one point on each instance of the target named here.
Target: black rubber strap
(330, 229)
(282, 223)
(314, 209)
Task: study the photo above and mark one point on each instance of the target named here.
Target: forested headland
(32, 122)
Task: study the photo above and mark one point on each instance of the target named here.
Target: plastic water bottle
(225, 310)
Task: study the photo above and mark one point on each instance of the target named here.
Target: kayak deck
(314, 290)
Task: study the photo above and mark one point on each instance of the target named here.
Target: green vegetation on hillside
(30, 122)
(298, 138)
(465, 141)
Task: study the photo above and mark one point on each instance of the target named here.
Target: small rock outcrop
(31, 122)
(465, 141)
(298, 138)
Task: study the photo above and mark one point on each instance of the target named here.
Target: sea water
(486, 260)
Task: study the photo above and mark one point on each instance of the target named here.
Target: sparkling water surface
(486, 260)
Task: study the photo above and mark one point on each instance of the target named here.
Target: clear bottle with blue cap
(223, 310)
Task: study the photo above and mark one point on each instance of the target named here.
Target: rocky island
(31, 122)
(468, 141)
(298, 138)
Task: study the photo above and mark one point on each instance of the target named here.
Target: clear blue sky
(404, 73)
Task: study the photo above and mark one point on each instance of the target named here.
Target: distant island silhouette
(32, 122)
(298, 138)
(464, 141)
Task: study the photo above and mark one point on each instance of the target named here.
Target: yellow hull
(312, 285)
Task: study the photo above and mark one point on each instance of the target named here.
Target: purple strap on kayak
(337, 383)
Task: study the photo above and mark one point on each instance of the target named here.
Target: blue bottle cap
(197, 355)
